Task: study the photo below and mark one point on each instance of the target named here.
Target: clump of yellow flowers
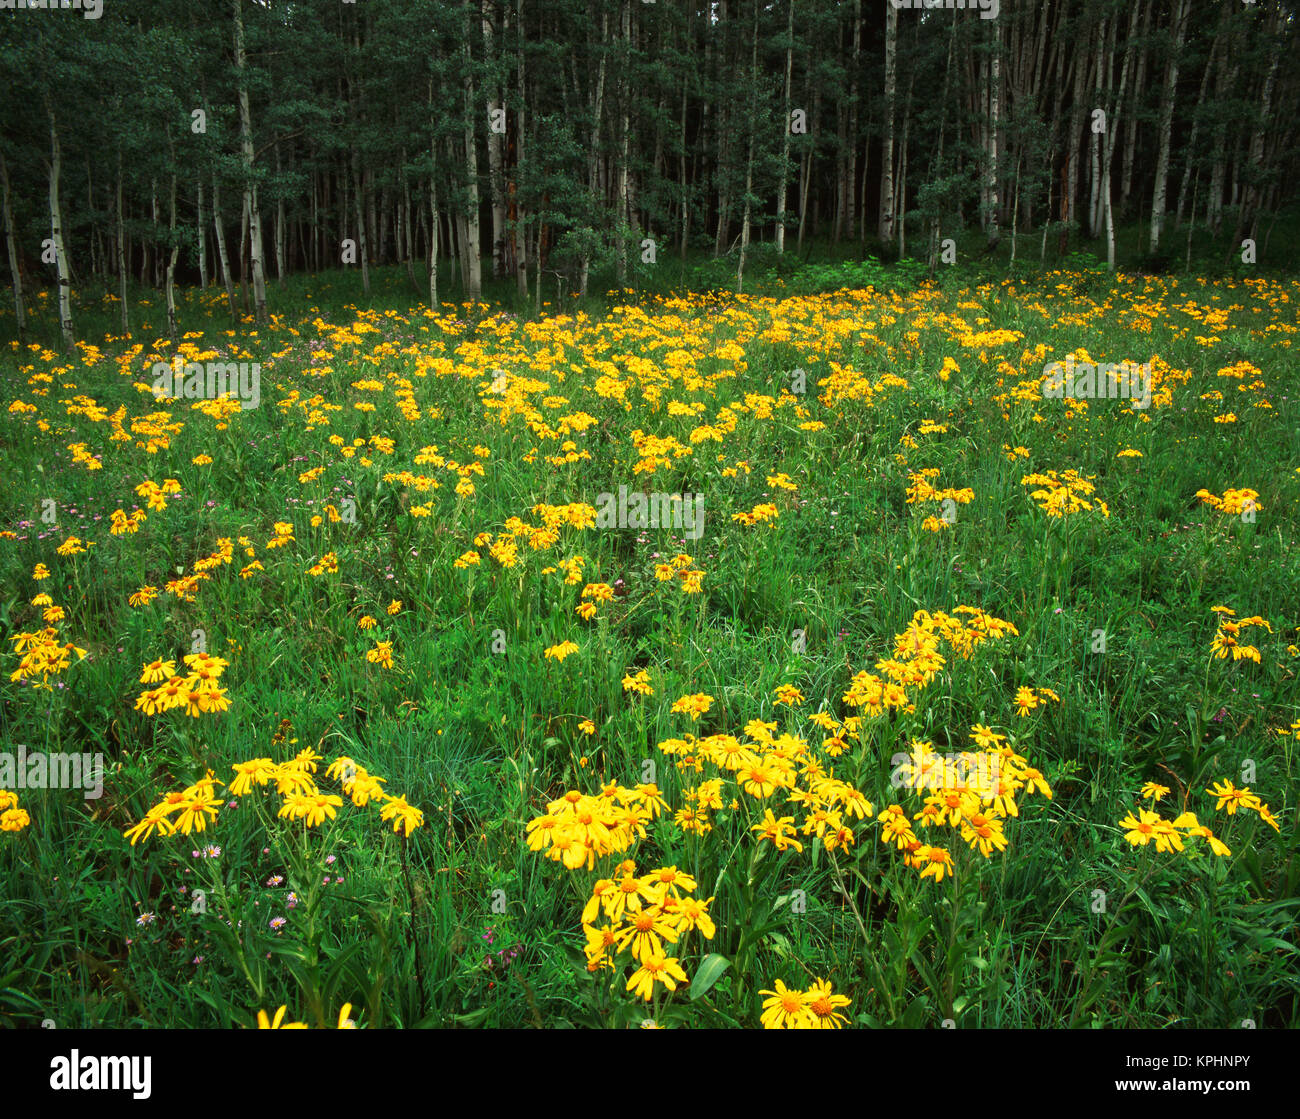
(197, 693)
(817, 1008)
(1169, 835)
(1059, 495)
(41, 651)
(972, 794)
(646, 919)
(1226, 643)
(1233, 502)
(784, 789)
(264, 1022)
(12, 817)
(194, 807)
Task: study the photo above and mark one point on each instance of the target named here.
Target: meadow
(935, 701)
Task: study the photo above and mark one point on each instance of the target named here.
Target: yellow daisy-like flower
(319, 808)
(1232, 798)
(759, 779)
(1141, 831)
(365, 787)
(692, 705)
(780, 833)
(258, 771)
(289, 781)
(560, 651)
(404, 816)
(825, 1005)
(265, 1023)
(643, 935)
(938, 862)
(639, 683)
(14, 819)
(786, 1009)
(656, 969)
(304, 761)
(1025, 701)
(601, 945)
(195, 811)
(157, 670)
(692, 913)
(788, 694)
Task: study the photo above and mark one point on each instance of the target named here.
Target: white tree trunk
(15, 274)
(56, 233)
(470, 243)
(250, 187)
(885, 225)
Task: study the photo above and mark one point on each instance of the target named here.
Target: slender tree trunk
(175, 244)
(1112, 135)
(784, 182)
(470, 245)
(250, 184)
(723, 143)
(56, 233)
(1101, 75)
(495, 145)
(363, 243)
(408, 245)
(279, 226)
(434, 220)
(1070, 197)
(683, 192)
(371, 196)
(749, 163)
(885, 224)
(995, 66)
(851, 170)
(315, 223)
(384, 223)
(1015, 211)
(223, 258)
(202, 229)
(805, 175)
(145, 241)
(624, 146)
(519, 230)
(243, 252)
(11, 242)
(593, 166)
(95, 239)
(1166, 126)
(156, 256)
